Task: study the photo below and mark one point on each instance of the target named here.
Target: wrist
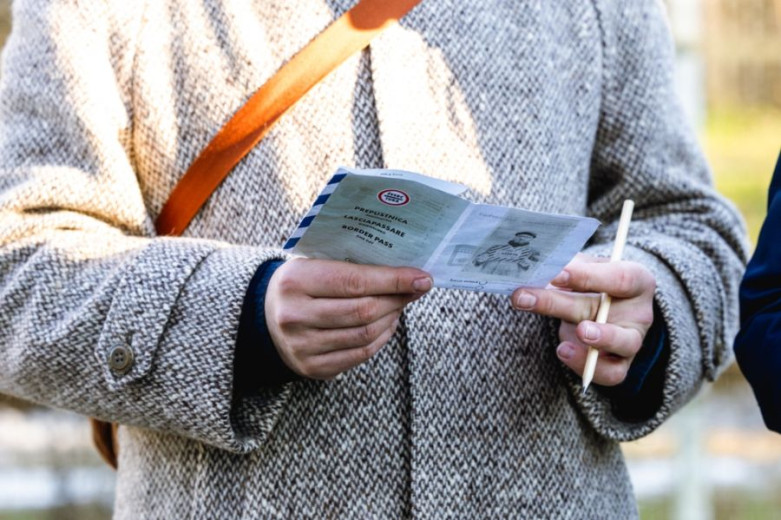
(257, 362)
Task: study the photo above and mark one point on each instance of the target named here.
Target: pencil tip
(585, 387)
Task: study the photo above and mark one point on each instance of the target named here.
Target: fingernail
(590, 332)
(422, 284)
(561, 279)
(525, 300)
(565, 351)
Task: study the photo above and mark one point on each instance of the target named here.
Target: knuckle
(365, 311)
(582, 278)
(365, 334)
(625, 282)
(365, 353)
(588, 312)
(647, 320)
(354, 283)
(396, 321)
(636, 342)
(546, 304)
(286, 318)
(287, 284)
(399, 284)
(298, 353)
(308, 369)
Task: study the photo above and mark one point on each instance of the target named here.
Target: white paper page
(498, 249)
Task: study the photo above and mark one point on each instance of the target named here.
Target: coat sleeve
(689, 236)
(758, 344)
(81, 272)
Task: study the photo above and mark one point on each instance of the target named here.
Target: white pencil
(604, 299)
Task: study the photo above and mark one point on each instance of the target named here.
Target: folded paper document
(398, 218)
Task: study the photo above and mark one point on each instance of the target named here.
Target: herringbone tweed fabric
(563, 106)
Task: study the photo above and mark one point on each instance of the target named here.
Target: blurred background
(713, 460)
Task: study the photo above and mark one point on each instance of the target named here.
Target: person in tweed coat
(473, 407)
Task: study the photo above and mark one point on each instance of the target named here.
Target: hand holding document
(398, 218)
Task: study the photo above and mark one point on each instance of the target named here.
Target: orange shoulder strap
(348, 34)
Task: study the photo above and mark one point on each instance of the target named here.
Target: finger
(328, 340)
(332, 279)
(568, 306)
(579, 258)
(618, 279)
(610, 371)
(328, 365)
(568, 332)
(338, 313)
(610, 338)
(584, 258)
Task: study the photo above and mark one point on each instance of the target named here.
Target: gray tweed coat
(561, 106)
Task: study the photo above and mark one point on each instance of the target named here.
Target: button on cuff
(120, 360)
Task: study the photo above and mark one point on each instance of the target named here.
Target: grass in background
(727, 505)
(68, 512)
(742, 146)
(747, 506)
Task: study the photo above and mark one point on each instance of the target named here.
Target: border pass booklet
(398, 218)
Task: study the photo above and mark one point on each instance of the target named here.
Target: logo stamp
(393, 197)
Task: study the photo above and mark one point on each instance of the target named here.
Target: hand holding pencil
(605, 299)
(580, 290)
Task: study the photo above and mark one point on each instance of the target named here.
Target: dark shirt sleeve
(639, 396)
(258, 364)
(758, 344)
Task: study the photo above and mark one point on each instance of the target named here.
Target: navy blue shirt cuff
(257, 363)
(639, 396)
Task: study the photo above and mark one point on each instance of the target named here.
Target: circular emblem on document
(393, 197)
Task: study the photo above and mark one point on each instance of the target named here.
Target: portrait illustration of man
(510, 259)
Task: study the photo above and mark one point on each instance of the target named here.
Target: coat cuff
(690, 352)
(177, 312)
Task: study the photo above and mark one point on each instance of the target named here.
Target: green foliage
(728, 504)
(655, 508)
(68, 512)
(733, 505)
(5, 20)
(742, 146)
